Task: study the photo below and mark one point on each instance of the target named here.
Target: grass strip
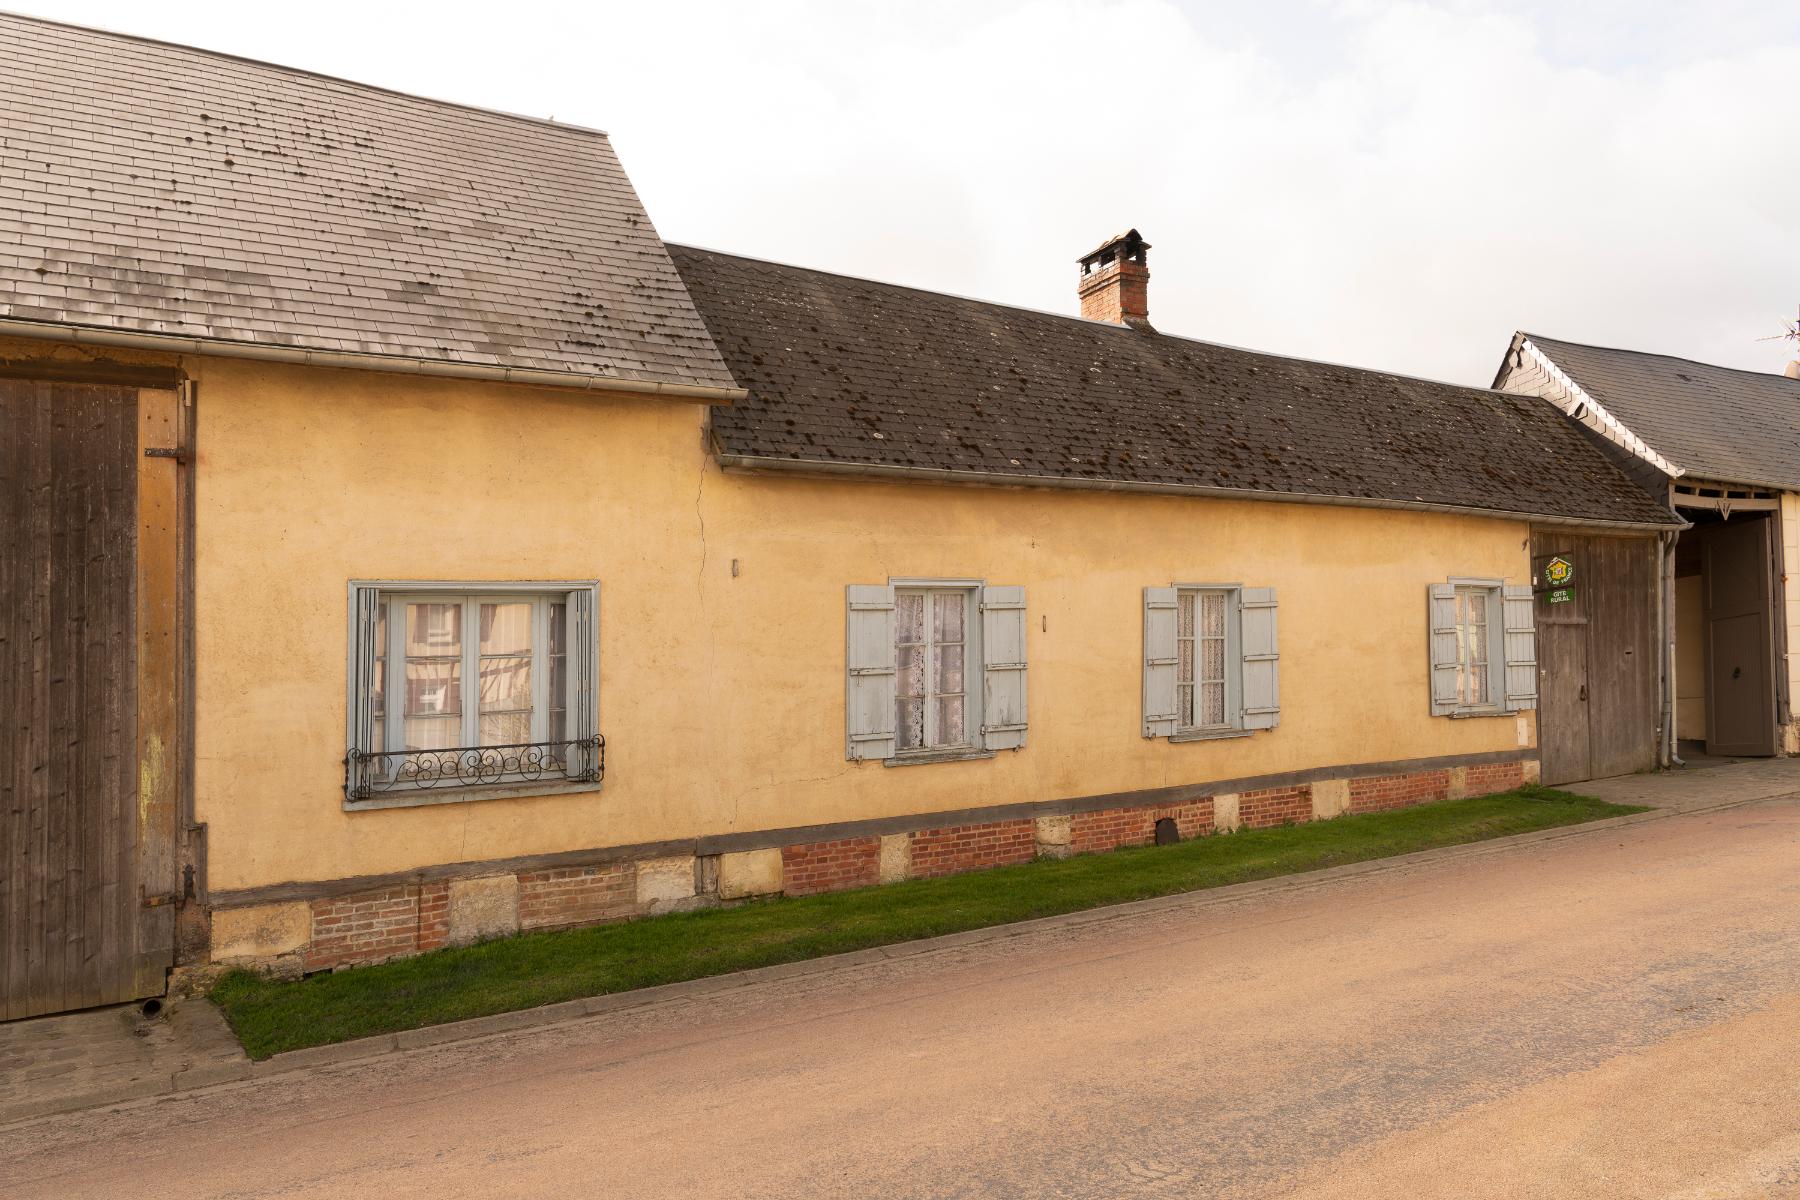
(271, 1015)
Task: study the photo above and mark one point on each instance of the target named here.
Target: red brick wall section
(1275, 806)
(567, 896)
(1488, 778)
(830, 866)
(1380, 793)
(957, 848)
(1110, 828)
(434, 915)
(364, 928)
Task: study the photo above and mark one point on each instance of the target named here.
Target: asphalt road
(1613, 1014)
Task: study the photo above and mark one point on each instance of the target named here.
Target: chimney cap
(1130, 244)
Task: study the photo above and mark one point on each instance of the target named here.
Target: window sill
(1464, 714)
(525, 789)
(936, 756)
(1209, 735)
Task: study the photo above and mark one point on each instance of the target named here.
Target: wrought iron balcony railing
(368, 774)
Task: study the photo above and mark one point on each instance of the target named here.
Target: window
(1473, 648)
(934, 669)
(455, 688)
(932, 649)
(1483, 648)
(1211, 668)
(1204, 689)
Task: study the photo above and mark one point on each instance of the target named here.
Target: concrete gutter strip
(568, 1011)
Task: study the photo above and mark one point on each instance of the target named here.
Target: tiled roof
(845, 373)
(155, 189)
(1716, 422)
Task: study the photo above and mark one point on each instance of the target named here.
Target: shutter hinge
(160, 899)
(174, 452)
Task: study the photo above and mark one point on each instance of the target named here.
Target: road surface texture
(1614, 1013)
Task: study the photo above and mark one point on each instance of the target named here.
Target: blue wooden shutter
(584, 663)
(1003, 667)
(1520, 622)
(1441, 609)
(870, 670)
(365, 609)
(1262, 660)
(1159, 661)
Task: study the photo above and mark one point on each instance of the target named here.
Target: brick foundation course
(1269, 807)
(1111, 828)
(565, 897)
(815, 867)
(1381, 793)
(403, 919)
(958, 848)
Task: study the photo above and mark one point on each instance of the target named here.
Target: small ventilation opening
(1166, 833)
(151, 1007)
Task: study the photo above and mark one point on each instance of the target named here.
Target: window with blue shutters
(1483, 647)
(1211, 664)
(934, 669)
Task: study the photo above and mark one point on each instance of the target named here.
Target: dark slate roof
(147, 188)
(845, 372)
(1717, 422)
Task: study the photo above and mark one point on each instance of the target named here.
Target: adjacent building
(1722, 447)
(410, 548)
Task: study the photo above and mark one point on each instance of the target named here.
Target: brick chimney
(1115, 281)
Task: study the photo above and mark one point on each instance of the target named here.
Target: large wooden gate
(89, 682)
(1597, 668)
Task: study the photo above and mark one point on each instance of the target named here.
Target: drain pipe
(1665, 604)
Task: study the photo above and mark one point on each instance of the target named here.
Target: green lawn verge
(271, 1016)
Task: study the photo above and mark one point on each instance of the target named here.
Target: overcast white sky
(1398, 185)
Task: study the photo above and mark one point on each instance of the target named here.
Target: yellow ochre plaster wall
(722, 695)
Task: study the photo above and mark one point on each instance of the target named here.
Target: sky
(1391, 185)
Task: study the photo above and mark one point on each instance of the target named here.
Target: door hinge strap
(174, 452)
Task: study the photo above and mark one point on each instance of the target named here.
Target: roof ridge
(9, 14)
(1693, 362)
(1044, 312)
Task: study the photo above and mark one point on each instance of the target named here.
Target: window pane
(1184, 666)
(505, 728)
(950, 721)
(947, 617)
(909, 617)
(1212, 664)
(433, 629)
(506, 628)
(557, 662)
(1213, 617)
(949, 668)
(506, 683)
(1185, 716)
(911, 683)
(1212, 704)
(433, 687)
(909, 730)
(433, 733)
(1478, 685)
(378, 684)
(1184, 615)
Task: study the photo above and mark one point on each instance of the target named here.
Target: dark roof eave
(395, 363)
(747, 463)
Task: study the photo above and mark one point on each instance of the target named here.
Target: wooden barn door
(88, 694)
(1740, 684)
(1597, 670)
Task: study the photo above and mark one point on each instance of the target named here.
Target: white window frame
(1494, 591)
(1234, 659)
(394, 595)
(971, 745)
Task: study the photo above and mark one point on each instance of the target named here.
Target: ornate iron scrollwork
(368, 774)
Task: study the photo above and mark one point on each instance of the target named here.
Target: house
(1722, 447)
(415, 549)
